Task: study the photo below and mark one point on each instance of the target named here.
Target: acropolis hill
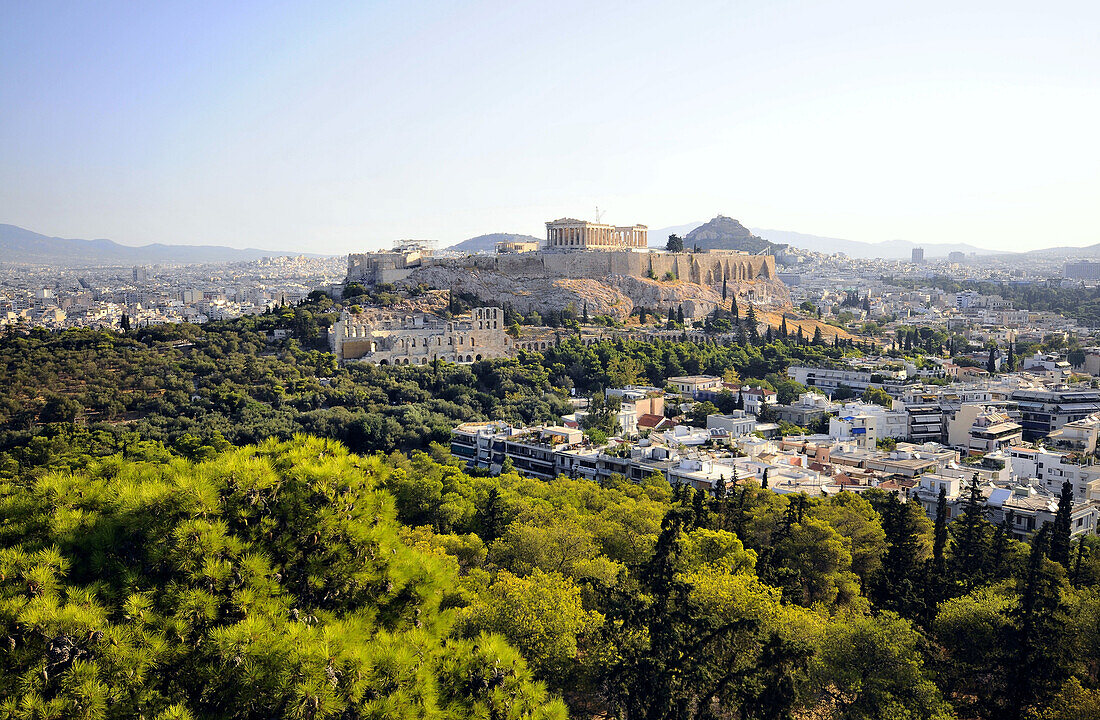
(609, 282)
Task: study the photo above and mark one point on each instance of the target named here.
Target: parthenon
(572, 234)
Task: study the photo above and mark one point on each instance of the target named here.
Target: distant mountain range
(888, 249)
(1089, 251)
(19, 245)
(488, 243)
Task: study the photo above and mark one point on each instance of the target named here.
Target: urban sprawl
(958, 376)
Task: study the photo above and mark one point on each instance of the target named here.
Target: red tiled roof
(654, 421)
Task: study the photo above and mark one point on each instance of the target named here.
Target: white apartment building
(690, 384)
(1054, 468)
(737, 423)
(865, 424)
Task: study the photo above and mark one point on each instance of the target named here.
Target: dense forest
(295, 579)
(198, 522)
(230, 380)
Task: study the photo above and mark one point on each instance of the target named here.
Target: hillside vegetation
(200, 523)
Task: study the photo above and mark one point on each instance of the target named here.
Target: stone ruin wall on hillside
(608, 282)
(706, 268)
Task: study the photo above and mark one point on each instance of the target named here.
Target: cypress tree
(764, 480)
(1037, 664)
(936, 586)
(939, 542)
(783, 328)
(723, 289)
(971, 537)
(699, 509)
(817, 336)
(492, 516)
(584, 315)
(1060, 538)
(733, 308)
(1082, 553)
(991, 363)
(896, 587)
(998, 562)
(680, 314)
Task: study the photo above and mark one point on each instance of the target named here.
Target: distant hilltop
(726, 233)
(488, 243)
(19, 245)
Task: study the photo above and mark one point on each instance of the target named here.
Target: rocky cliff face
(614, 295)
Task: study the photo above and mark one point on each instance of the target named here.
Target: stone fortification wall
(608, 283)
(707, 268)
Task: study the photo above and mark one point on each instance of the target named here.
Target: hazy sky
(335, 126)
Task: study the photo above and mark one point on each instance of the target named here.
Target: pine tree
(1060, 537)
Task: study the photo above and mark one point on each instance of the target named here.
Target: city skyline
(348, 127)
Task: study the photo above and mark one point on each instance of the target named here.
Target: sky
(346, 126)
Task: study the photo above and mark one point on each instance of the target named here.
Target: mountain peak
(726, 233)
